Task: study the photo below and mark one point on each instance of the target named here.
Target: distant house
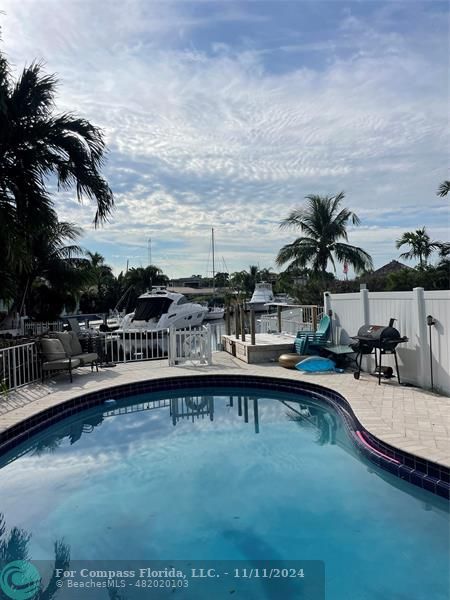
(392, 267)
(195, 281)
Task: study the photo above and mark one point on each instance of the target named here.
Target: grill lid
(377, 333)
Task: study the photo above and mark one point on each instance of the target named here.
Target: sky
(227, 114)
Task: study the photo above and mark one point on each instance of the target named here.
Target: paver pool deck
(408, 418)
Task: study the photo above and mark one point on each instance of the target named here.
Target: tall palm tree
(420, 244)
(36, 145)
(323, 222)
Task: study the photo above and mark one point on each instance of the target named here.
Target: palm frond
(301, 251)
(33, 93)
(358, 258)
(444, 189)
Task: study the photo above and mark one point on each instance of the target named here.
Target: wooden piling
(253, 327)
(227, 321)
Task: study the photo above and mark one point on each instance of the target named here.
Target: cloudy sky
(227, 114)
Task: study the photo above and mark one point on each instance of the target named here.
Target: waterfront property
(260, 463)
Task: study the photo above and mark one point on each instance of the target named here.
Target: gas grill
(381, 340)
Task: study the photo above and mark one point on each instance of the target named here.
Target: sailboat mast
(213, 263)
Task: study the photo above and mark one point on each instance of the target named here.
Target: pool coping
(418, 471)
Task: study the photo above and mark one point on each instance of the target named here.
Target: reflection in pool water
(232, 474)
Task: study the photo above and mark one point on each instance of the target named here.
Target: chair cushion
(66, 340)
(75, 344)
(52, 349)
(63, 363)
(86, 357)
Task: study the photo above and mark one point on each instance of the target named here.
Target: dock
(267, 347)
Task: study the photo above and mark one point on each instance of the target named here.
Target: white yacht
(160, 309)
(262, 295)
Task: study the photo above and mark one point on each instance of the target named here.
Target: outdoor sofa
(63, 352)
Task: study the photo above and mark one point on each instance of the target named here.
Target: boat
(160, 309)
(262, 295)
(214, 312)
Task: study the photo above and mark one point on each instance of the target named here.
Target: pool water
(234, 474)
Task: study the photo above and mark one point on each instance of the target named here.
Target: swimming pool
(227, 473)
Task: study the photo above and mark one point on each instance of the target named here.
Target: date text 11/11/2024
(246, 573)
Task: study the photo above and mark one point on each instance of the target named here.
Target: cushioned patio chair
(54, 358)
(73, 349)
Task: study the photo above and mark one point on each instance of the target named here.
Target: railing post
(14, 366)
(314, 317)
(170, 346)
(279, 318)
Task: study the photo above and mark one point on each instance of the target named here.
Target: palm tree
(444, 189)
(36, 144)
(57, 272)
(323, 221)
(421, 246)
(100, 273)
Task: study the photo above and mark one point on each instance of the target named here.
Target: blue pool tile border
(417, 471)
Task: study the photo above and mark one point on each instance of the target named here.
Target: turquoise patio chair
(316, 339)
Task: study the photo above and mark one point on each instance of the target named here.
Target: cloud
(205, 132)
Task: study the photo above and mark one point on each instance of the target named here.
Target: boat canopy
(151, 308)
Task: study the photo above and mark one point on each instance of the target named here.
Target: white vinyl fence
(418, 360)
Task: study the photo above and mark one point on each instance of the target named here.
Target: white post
(420, 335)
(365, 308)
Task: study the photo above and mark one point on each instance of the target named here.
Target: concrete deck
(408, 418)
